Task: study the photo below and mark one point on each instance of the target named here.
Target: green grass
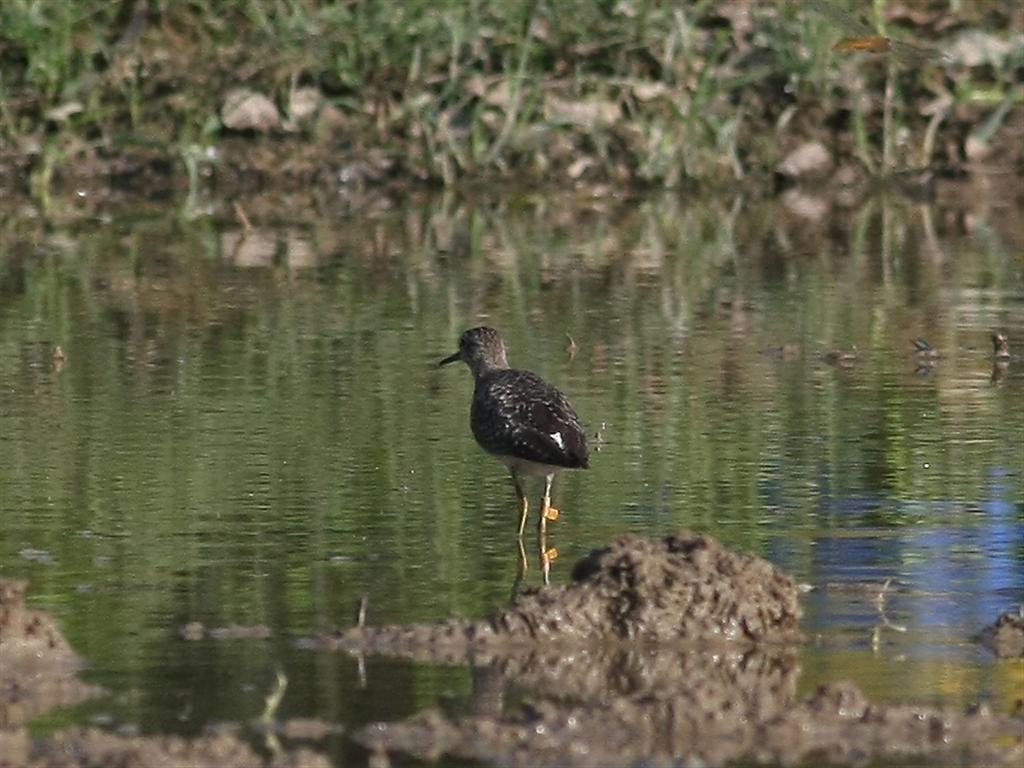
(643, 92)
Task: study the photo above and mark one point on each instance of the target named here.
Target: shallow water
(249, 429)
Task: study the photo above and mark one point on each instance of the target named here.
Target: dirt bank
(668, 652)
(38, 672)
(682, 587)
(175, 94)
(38, 669)
(712, 712)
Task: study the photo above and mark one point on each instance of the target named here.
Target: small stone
(247, 110)
(304, 103)
(810, 159)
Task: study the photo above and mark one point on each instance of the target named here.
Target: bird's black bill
(450, 359)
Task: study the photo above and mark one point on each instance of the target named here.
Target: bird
(923, 349)
(1000, 345)
(521, 419)
(1000, 355)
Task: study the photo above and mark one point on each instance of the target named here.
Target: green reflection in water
(249, 428)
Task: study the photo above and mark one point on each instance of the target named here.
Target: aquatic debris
(196, 630)
(841, 358)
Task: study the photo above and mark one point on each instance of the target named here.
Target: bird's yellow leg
(546, 556)
(546, 510)
(524, 505)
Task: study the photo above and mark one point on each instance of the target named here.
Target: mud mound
(728, 696)
(38, 669)
(1006, 636)
(684, 586)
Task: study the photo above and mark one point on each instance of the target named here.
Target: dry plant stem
(242, 218)
(928, 144)
(887, 129)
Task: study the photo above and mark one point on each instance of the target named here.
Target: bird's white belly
(526, 467)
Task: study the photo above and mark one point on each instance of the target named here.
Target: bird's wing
(516, 413)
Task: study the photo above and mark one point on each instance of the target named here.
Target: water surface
(249, 428)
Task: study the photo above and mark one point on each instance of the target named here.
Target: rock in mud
(38, 669)
(246, 110)
(811, 160)
(682, 587)
(1005, 637)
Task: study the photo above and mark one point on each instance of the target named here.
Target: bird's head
(482, 349)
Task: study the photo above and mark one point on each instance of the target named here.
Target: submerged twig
(361, 611)
(272, 702)
(242, 218)
(876, 634)
(273, 699)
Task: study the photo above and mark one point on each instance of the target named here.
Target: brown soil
(682, 587)
(709, 710)
(1006, 636)
(92, 747)
(670, 652)
(38, 672)
(38, 669)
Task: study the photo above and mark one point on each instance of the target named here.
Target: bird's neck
(485, 366)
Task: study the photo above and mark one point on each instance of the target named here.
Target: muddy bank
(163, 93)
(1005, 636)
(95, 748)
(38, 672)
(682, 587)
(38, 669)
(709, 717)
(664, 652)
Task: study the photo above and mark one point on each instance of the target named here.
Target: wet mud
(713, 711)
(660, 652)
(683, 587)
(39, 672)
(670, 652)
(196, 630)
(1005, 636)
(93, 747)
(38, 669)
